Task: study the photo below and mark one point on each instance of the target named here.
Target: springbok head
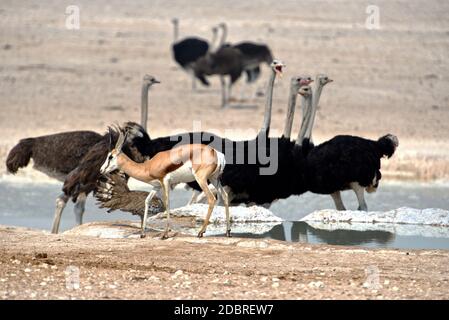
(111, 162)
(277, 66)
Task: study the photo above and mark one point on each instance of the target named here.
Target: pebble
(275, 285)
(316, 284)
(27, 270)
(177, 274)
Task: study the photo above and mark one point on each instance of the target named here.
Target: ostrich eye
(110, 157)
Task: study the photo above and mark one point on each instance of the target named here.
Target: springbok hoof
(200, 234)
(142, 236)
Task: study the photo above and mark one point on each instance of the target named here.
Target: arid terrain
(391, 80)
(37, 265)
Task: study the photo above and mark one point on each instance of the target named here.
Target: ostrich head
(323, 79)
(299, 81)
(277, 66)
(150, 80)
(111, 162)
(305, 91)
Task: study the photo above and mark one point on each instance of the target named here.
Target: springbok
(183, 164)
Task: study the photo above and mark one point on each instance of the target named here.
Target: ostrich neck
(290, 112)
(269, 103)
(212, 42)
(175, 32)
(224, 35)
(317, 94)
(315, 100)
(133, 169)
(144, 106)
(305, 119)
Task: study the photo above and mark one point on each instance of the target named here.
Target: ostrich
(348, 162)
(185, 163)
(226, 61)
(253, 54)
(189, 50)
(58, 155)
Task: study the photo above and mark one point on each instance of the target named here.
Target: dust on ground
(38, 265)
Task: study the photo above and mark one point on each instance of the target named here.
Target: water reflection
(299, 231)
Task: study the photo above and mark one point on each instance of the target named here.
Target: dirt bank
(36, 265)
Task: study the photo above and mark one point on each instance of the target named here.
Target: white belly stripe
(183, 174)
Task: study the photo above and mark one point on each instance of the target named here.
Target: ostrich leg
(223, 92)
(360, 193)
(193, 81)
(336, 196)
(80, 207)
(61, 202)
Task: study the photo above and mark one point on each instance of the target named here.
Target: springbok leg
(211, 200)
(165, 190)
(145, 215)
(224, 196)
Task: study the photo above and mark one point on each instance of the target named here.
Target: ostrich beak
(278, 70)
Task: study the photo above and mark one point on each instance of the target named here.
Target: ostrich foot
(166, 234)
(228, 233)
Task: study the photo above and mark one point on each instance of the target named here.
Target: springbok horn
(121, 140)
(110, 138)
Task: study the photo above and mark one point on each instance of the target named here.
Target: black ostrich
(58, 155)
(344, 162)
(189, 50)
(348, 162)
(226, 61)
(253, 54)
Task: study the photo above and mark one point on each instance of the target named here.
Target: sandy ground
(390, 80)
(37, 265)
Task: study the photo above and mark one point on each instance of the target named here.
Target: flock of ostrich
(90, 162)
